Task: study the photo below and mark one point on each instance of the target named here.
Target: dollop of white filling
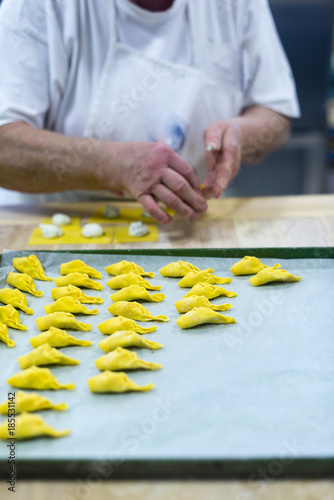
(92, 231)
(51, 231)
(61, 220)
(111, 212)
(146, 215)
(137, 229)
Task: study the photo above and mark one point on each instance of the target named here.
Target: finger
(226, 166)
(183, 168)
(171, 200)
(153, 209)
(178, 185)
(213, 137)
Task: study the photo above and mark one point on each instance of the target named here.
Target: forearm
(262, 131)
(39, 161)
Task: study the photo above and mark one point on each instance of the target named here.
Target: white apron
(145, 99)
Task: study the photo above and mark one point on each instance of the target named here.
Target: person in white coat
(148, 98)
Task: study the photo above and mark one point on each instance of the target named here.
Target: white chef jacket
(53, 54)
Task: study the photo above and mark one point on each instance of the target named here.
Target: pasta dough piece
(193, 278)
(45, 355)
(126, 339)
(136, 292)
(78, 266)
(179, 269)
(78, 279)
(76, 293)
(115, 382)
(200, 315)
(32, 266)
(134, 310)
(57, 338)
(29, 402)
(69, 304)
(126, 267)
(187, 304)
(113, 325)
(4, 337)
(209, 291)
(30, 426)
(37, 378)
(122, 359)
(15, 298)
(249, 265)
(271, 274)
(10, 317)
(24, 283)
(61, 320)
(124, 280)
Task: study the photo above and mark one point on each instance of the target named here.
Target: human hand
(152, 172)
(222, 141)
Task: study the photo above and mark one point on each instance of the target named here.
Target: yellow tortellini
(10, 317)
(76, 293)
(37, 378)
(124, 280)
(15, 298)
(23, 282)
(192, 278)
(78, 266)
(126, 267)
(249, 265)
(69, 304)
(209, 291)
(200, 315)
(122, 359)
(115, 382)
(61, 320)
(126, 339)
(188, 303)
(134, 310)
(4, 337)
(30, 402)
(30, 426)
(271, 274)
(136, 292)
(179, 269)
(78, 279)
(32, 266)
(45, 355)
(113, 325)
(57, 338)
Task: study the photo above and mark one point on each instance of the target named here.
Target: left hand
(222, 141)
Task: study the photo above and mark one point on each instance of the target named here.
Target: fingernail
(211, 147)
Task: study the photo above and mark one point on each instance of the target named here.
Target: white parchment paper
(259, 388)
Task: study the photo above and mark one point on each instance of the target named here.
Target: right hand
(152, 172)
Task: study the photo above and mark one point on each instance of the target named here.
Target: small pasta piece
(200, 315)
(30, 402)
(76, 293)
(32, 266)
(136, 292)
(134, 310)
(37, 378)
(78, 266)
(127, 339)
(30, 426)
(23, 282)
(57, 338)
(113, 325)
(78, 279)
(61, 320)
(126, 267)
(123, 359)
(69, 304)
(115, 382)
(45, 355)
